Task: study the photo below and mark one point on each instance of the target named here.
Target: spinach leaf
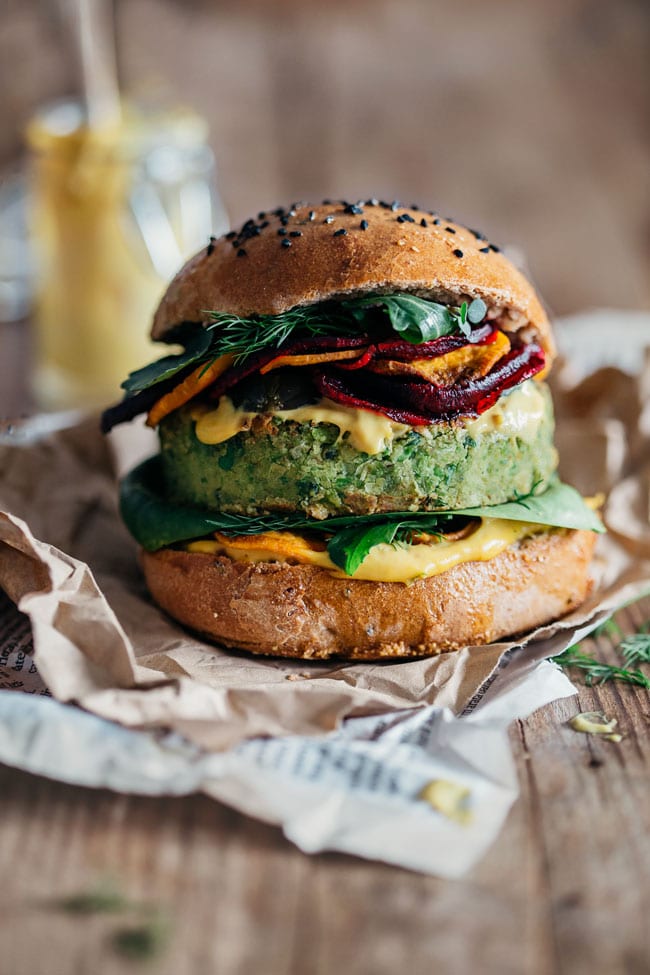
(155, 522)
(197, 346)
(559, 506)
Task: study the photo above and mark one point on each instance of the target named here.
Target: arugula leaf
(196, 347)
(415, 319)
(350, 546)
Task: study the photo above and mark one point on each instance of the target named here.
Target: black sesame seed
(458, 252)
(493, 247)
(401, 218)
(373, 202)
(327, 203)
(364, 224)
(284, 221)
(354, 209)
(236, 243)
(296, 233)
(281, 232)
(312, 214)
(264, 224)
(340, 233)
(278, 212)
(385, 204)
(328, 220)
(423, 222)
(484, 250)
(436, 221)
(230, 235)
(285, 242)
(407, 218)
(210, 247)
(414, 206)
(261, 215)
(241, 252)
(450, 230)
(477, 234)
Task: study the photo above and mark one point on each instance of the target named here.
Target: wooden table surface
(563, 890)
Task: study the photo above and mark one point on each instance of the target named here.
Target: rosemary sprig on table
(634, 649)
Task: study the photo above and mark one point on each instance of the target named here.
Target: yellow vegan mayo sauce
(518, 414)
(388, 563)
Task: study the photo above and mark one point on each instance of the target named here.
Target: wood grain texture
(563, 891)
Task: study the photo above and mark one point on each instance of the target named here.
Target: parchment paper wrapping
(69, 564)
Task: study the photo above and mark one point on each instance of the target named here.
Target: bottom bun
(303, 611)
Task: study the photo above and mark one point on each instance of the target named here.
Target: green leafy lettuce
(155, 522)
(415, 320)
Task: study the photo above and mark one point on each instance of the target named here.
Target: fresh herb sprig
(414, 319)
(242, 337)
(635, 649)
(597, 672)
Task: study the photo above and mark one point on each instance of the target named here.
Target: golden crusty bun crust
(303, 611)
(307, 254)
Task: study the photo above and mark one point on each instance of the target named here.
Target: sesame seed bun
(308, 254)
(302, 611)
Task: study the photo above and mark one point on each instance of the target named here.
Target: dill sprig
(635, 649)
(243, 336)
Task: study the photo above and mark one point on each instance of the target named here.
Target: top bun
(307, 254)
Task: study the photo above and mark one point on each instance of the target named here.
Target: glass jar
(115, 212)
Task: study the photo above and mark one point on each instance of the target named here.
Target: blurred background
(525, 118)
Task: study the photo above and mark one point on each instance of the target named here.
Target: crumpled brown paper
(69, 564)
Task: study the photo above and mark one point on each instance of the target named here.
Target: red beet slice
(417, 402)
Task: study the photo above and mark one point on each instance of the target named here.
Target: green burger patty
(310, 468)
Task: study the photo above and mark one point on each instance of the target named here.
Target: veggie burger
(356, 440)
